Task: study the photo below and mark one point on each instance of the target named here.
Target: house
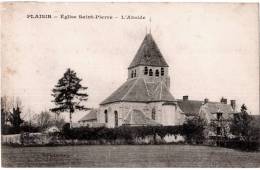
(217, 115)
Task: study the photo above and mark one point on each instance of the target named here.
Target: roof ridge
(168, 90)
(146, 88)
(130, 89)
(148, 54)
(155, 91)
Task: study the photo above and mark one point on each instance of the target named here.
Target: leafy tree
(4, 111)
(193, 129)
(242, 126)
(241, 123)
(15, 118)
(243, 108)
(67, 95)
(44, 120)
(3, 119)
(59, 122)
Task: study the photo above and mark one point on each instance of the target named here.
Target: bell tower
(149, 63)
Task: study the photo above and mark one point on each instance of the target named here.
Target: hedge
(122, 132)
(7, 129)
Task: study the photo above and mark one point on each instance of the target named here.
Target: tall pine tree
(68, 94)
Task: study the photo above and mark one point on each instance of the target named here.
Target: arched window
(116, 119)
(135, 74)
(153, 113)
(132, 74)
(106, 118)
(162, 71)
(157, 73)
(150, 72)
(145, 70)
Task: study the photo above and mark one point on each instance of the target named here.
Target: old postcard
(130, 84)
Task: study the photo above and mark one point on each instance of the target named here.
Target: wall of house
(164, 114)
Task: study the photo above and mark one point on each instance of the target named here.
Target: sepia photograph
(130, 85)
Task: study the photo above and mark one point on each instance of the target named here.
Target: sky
(212, 49)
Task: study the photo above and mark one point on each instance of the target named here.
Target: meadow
(127, 156)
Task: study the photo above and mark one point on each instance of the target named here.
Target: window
(135, 74)
(218, 130)
(162, 71)
(157, 73)
(219, 115)
(150, 72)
(106, 118)
(116, 119)
(132, 74)
(153, 113)
(145, 70)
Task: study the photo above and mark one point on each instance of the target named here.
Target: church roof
(138, 90)
(148, 54)
(137, 117)
(92, 115)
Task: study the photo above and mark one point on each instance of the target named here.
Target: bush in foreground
(124, 132)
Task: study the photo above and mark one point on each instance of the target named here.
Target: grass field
(128, 156)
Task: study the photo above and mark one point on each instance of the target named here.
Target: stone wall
(11, 139)
(165, 114)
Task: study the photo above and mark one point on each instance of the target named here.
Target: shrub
(246, 130)
(124, 132)
(193, 130)
(7, 129)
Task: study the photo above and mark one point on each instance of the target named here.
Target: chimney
(223, 100)
(206, 100)
(185, 98)
(233, 104)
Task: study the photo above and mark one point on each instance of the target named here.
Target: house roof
(193, 107)
(138, 90)
(148, 54)
(136, 117)
(92, 115)
(219, 107)
(213, 108)
(190, 106)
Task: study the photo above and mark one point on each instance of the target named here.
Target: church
(144, 99)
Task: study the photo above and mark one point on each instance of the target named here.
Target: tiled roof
(137, 118)
(92, 115)
(219, 107)
(148, 54)
(138, 90)
(190, 106)
(213, 108)
(193, 107)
